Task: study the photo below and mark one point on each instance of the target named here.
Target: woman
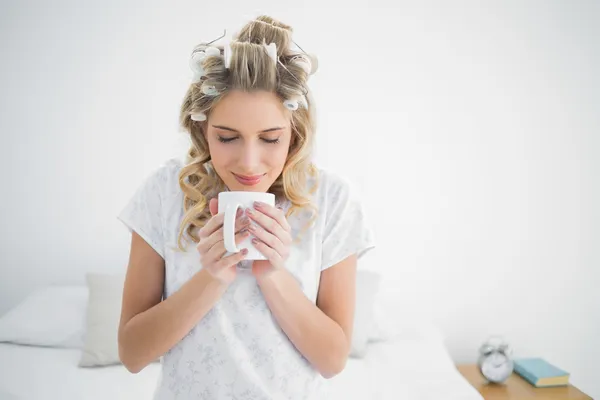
(226, 328)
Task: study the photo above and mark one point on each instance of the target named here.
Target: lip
(248, 180)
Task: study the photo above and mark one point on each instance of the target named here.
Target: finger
(240, 236)
(268, 238)
(217, 235)
(213, 206)
(268, 223)
(214, 224)
(232, 259)
(211, 226)
(275, 213)
(268, 252)
(217, 251)
(241, 222)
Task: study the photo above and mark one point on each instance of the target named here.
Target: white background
(471, 129)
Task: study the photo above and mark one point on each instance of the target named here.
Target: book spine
(529, 377)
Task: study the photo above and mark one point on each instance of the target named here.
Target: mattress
(409, 369)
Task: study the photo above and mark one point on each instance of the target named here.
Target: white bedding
(404, 368)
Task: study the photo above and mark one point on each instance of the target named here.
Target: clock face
(496, 367)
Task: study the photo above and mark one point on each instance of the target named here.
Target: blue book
(540, 373)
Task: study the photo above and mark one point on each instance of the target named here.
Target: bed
(403, 368)
(46, 340)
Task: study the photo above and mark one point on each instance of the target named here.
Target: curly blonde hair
(251, 69)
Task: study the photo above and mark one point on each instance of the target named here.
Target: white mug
(229, 202)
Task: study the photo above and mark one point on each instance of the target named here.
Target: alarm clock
(495, 363)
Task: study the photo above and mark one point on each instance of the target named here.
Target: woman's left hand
(272, 238)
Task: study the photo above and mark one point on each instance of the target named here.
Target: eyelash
(227, 140)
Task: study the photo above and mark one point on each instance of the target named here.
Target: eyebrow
(225, 128)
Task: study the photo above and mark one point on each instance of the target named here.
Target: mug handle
(229, 227)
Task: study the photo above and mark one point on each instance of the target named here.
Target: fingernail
(258, 204)
(244, 231)
(239, 212)
(244, 251)
(249, 211)
(255, 240)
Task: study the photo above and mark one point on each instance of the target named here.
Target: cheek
(219, 156)
(280, 156)
(277, 158)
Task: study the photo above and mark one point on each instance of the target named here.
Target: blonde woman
(222, 327)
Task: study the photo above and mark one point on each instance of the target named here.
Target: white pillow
(397, 317)
(102, 323)
(367, 286)
(53, 316)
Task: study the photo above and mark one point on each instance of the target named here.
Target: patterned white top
(238, 351)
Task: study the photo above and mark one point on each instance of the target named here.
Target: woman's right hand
(212, 247)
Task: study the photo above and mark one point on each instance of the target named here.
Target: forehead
(251, 112)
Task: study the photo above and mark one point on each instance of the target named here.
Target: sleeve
(143, 212)
(346, 230)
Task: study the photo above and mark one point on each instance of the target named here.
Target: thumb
(213, 206)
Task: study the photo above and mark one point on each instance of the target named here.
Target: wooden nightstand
(516, 388)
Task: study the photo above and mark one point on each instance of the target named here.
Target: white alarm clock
(494, 360)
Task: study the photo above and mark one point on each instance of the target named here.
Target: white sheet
(408, 369)
(37, 373)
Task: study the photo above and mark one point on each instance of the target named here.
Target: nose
(250, 158)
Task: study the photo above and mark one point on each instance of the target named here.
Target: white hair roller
(197, 76)
(196, 61)
(198, 58)
(209, 90)
(272, 51)
(314, 63)
(198, 117)
(212, 51)
(227, 53)
(196, 65)
(303, 62)
(291, 104)
(294, 103)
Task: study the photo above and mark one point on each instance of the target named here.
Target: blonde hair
(251, 69)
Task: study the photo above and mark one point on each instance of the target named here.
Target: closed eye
(226, 140)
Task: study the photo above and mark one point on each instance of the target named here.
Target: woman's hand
(212, 247)
(273, 238)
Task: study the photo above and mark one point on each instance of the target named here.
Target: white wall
(475, 123)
